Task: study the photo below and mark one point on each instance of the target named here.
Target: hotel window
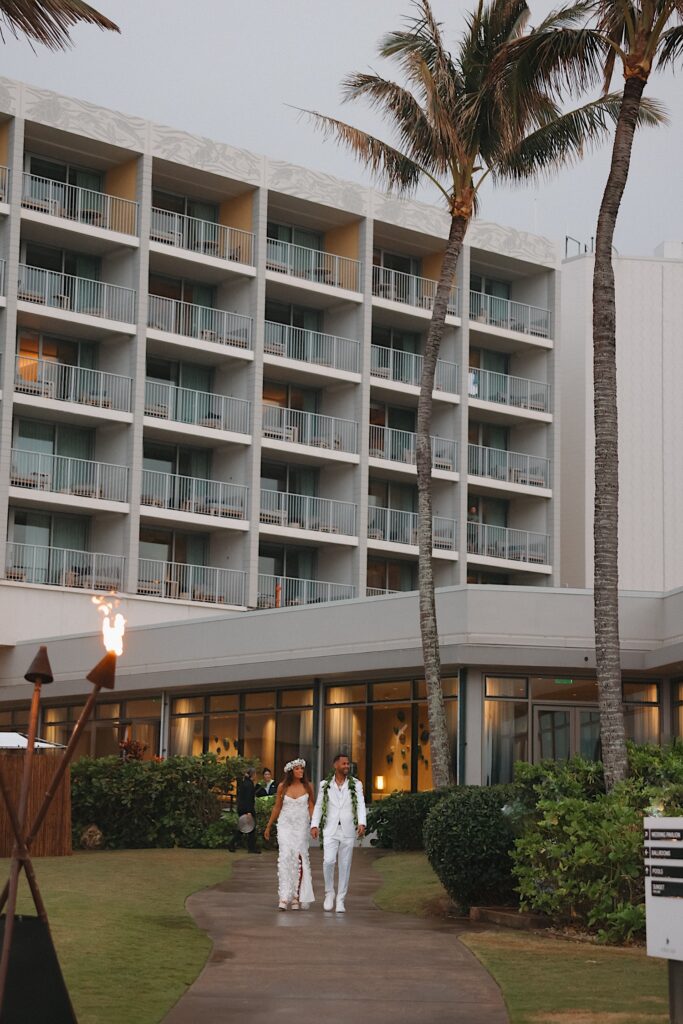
(296, 236)
(384, 729)
(114, 723)
(67, 174)
(184, 206)
(677, 691)
(556, 717)
(271, 726)
(14, 719)
(391, 575)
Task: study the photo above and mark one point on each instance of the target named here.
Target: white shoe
(282, 905)
(329, 901)
(294, 905)
(340, 908)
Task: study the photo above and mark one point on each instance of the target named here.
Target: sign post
(664, 902)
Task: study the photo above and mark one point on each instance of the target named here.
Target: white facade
(649, 295)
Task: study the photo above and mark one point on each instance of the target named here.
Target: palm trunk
(606, 509)
(442, 774)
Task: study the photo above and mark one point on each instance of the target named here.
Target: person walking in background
(246, 810)
(268, 785)
(338, 819)
(292, 811)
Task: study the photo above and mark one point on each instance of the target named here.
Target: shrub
(554, 780)
(468, 838)
(139, 804)
(581, 863)
(399, 819)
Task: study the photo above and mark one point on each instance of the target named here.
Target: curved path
(309, 966)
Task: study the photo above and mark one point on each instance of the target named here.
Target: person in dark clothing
(268, 785)
(246, 804)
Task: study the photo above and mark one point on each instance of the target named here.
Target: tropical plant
(48, 21)
(641, 36)
(493, 110)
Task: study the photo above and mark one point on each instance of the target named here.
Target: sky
(232, 69)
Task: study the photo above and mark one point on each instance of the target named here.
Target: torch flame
(112, 630)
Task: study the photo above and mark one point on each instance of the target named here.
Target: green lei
(326, 798)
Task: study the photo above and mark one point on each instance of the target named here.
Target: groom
(338, 817)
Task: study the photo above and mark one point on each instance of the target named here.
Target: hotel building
(210, 372)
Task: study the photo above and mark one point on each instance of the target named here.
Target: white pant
(337, 847)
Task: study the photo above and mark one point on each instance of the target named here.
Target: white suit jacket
(340, 809)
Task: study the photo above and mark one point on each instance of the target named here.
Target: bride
(292, 811)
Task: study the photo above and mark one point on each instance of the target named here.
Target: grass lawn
(127, 946)
(545, 980)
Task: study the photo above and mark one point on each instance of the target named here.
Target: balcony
(513, 545)
(509, 315)
(285, 591)
(394, 526)
(2, 277)
(515, 392)
(380, 592)
(201, 236)
(302, 511)
(185, 582)
(401, 446)
(196, 408)
(4, 184)
(313, 265)
(78, 294)
(64, 567)
(406, 368)
(325, 432)
(203, 323)
(410, 290)
(42, 378)
(193, 494)
(509, 467)
(58, 474)
(312, 347)
(82, 205)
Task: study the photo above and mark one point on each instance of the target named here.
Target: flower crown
(298, 762)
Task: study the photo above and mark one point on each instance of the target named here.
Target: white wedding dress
(293, 863)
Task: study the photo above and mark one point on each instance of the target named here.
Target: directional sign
(663, 839)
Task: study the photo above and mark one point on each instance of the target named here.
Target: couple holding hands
(337, 818)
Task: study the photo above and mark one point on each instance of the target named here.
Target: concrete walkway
(308, 967)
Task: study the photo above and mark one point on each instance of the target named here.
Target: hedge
(399, 819)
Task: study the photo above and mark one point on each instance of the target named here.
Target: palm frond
(416, 134)
(564, 140)
(387, 164)
(670, 47)
(48, 21)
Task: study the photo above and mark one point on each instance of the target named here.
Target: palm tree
(641, 36)
(48, 21)
(491, 110)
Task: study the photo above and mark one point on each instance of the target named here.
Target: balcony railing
(308, 513)
(202, 236)
(64, 567)
(512, 467)
(329, 432)
(38, 471)
(64, 383)
(79, 294)
(2, 277)
(406, 368)
(187, 582)
(312, 347)
(501, 542)
(409, 289)
(197, 408)
(192, 494)
(96, 209)
(200, 322)
(401, 446)
(379, 592)
(4, 184)
(283, 591)
(313, 265)
(398, 527)
(517, 392)
(513, 316)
